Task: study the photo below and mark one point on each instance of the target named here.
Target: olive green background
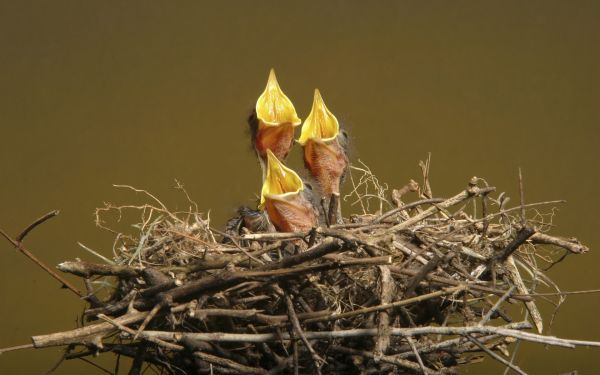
(95, 93)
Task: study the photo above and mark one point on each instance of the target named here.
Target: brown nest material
(417, 287)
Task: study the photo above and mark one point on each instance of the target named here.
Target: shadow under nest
(418, 287)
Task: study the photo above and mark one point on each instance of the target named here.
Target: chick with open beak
(272, 122)
(284, 200)
(325, 155)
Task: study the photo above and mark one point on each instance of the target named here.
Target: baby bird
(272, 123)
(284, 199)
(325, 155)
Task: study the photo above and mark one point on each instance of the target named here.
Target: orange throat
(327, 163)
(295, 215)
(279, 139)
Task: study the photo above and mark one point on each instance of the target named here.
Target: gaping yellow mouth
(321, 124)
(273, 107)
(281, 182)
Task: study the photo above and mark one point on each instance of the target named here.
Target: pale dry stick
(522, 199)
(159, 306)
(241, 369)
(388, 306)
(495, 356)
(411, 343)
(370, 332)
(448, 281)
(453, 343)
(405, 207)
(387, 292)
(16, 347)
(274, 236)
(545, 239)
(205, 356)
(522, 288)
(79, 335)
(134, 334)
(573, 292)
(471, 223)
(458, 198)
(486, 318)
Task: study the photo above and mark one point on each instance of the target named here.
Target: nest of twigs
(402, 287)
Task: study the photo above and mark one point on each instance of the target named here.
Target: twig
(488, 315)
(36, 260)
(388, 359)
(495, 356)
(522, 236)
(458, 198)
(369, 332)
(317, 361)
(382, 340)
(515, 276)
(405, 207)
(573, 246)
(37, 222)
(16, 347)
(388, 306)
(411, 342)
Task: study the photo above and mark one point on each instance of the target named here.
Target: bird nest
(411, 284)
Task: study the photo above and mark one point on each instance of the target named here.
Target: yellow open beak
(321, 124)
(281, 182)
(273, 107)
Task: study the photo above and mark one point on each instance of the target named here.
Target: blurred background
(143, 93)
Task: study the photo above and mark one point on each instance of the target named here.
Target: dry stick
(405, 207)
(522, 236)
(149, 317)
(317, 361)
(387, 359)
(86, 269)
(79, 335)
(382, 341)
(472, 191)
(242, 369)
(515, 276)
(589, 291)
(544, 239)
(495, 356)
(486, 318)
(275, 236)
(37, 222)
(522, 198)
(131, 332)
(474, 222)
(388, 306)
(443, 280)
(369, 332)
(411, 343)
(33, 258)
(444, 345)
(210, 282)
(204, 356)
(426, 270)
(16, 347)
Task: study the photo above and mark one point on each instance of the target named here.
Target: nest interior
(401, 287)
